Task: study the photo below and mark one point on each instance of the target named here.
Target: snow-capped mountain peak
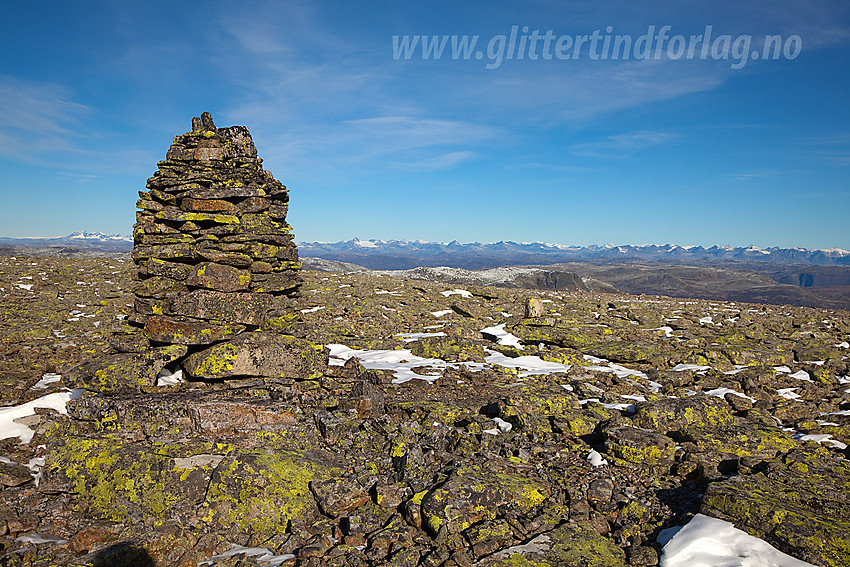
(98, 236)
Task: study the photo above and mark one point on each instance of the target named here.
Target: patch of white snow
(595, 459)
(502, 336)
(56, 401)
(46, 380)
(709, 542)
(460, 292)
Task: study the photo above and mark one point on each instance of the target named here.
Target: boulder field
(384, 421)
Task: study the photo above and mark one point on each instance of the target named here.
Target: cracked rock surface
(375, 424)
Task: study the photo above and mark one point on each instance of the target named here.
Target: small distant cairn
(214, 256)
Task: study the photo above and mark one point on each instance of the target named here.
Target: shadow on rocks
(683, 500)
(123, 555)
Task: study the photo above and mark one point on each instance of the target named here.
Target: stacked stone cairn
(215, 259)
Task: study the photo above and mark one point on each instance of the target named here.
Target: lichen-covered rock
(673, 414)
(640, 446)
(534, 331)
(124, 371)
(116, 481)
(479, 464)
(366, 399)
(538, 400)
(576, 423)
(12, 474)
(450, 349)
(243, 308)
(569, 545)
(759, 442)
(258, 354)
(798, 504)
(219, 277)
(338, 427)
(185, 331)
(338, 495)
(476, 494)
(622, 351)
(261, 493)
(229, 416)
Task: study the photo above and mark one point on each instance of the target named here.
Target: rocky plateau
(399, 431)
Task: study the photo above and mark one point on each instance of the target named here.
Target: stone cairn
(215, 259)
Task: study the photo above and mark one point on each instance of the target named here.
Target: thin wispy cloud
(833, 148)
(400, 142)
(573, 93)
(37, 118)
(396, 133)
(836, 157)
(820, 24)
(444, 161)
(622, 145)
(287, 89)
(755, 175)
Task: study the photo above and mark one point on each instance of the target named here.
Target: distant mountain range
(75, 244)
(797, 276)
(406, 254)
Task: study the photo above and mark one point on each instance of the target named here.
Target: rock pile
(213, 252)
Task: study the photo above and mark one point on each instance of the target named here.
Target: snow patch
(56, 401)
(721, 392)
(169, 377)
(410, 337)
(262, 555)
(820, 438)
(595, 459)
(802, 375)
(441, 313)
(629, 408)
(202, 460)
(502, 336)
(313, 309)
(536, 545)
(709, 542)
(684, 367)
(38, 538)
(788, 393)
(616, 369)
(401, 362)
(528, 365)
(46, 380)
(460, 292)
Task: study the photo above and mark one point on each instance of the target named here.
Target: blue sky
(578, 151)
